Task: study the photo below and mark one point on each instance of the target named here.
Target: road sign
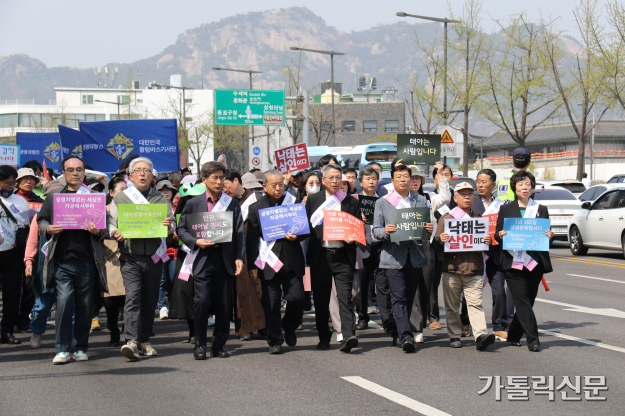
(446, 138)
(256, 150)
(249, 108)
(256, 161)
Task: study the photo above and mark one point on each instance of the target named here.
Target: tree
(470, 49)
(611, 46)
(580, 78)
(320, 119)
(519, 98)
(384, 137)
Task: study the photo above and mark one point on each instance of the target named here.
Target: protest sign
(339, 225)
(212, 226)
(492, 225)
(141, 220)
(76, 211)
(410, 223)
(366, 205)
(10, 155)
(415, 149)
(526, 234)
(280, 220)
(466, 234)
(292, 158)
(36, 206)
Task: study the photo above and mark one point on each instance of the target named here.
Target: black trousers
(142, 278)
(27, 302)
(503, 304)
(366, 275)
(403, 284)
(524, 288)
(12, 268)
(333, 263)
(98, 302)
(421, 303)
(213, 291)
(383, 294)
(293, 288)
(113, 305)
(434, 314)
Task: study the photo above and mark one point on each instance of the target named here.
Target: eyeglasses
(141, 171)
(334, 178)
(72, 170)
(465, 195)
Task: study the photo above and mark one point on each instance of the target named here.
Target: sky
(90, 33)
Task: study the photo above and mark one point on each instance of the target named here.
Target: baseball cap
(521, 155)
(463, 185)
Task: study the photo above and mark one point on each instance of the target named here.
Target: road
(581, 319)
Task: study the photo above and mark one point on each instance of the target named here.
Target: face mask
(4, 193)
(313, 189)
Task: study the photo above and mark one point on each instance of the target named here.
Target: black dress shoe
(516, 343)
(275, 349)
(114, 343)
(351, 342)
(219, 352)
(534, 348)
(394, 342)
(262, 332)
(362, 325)
(323, 345)
(290, 338)
(199, 352)
(455, 343)
(246, 337)
(8, 338)
(483, 341)
(409, 346)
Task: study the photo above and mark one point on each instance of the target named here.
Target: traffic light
(362, 83)
(373, 84)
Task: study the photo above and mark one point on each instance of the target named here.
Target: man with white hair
(141, 261)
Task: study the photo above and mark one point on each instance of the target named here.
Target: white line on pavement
(615, 313)
(597, 278)
(583, 341)
(393, 396)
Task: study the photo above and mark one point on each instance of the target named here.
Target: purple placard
(75, 211)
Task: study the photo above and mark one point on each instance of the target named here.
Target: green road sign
(249, 108)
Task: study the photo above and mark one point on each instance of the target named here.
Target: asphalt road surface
(581, 321)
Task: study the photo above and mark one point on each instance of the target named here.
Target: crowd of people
(258, 286)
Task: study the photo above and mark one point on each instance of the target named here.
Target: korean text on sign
(466, 234)
(339, 226)
(570, 388)
(419, 148)
(292, 158)
(76, 212)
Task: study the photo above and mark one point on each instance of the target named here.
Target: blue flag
(37, 146)
(106, 143)
(70, 141)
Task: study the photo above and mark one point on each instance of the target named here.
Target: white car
(562, 205)
(600, 224)
(576, 187)
(596, 191)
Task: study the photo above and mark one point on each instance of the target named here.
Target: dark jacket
(232, 251)
(466, 263)
(44, 220)
(349, 205)
(512, 210)
(287, 251)
(495, 250)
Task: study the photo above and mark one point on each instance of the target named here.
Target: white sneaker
(419, 338)
(80, 356)
(35, 341)
(147, 350)
(211, 320)
(164, 313)
(339, 337)
(61, 358)
(131, 350)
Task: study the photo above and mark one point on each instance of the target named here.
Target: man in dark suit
(214, 265)
(503, 306)
(332, 259)
(288, 276)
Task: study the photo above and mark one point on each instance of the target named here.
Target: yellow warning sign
(446, 138)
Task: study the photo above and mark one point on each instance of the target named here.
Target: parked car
(562, 205)
(576, 187)
(617, 178)
(596, 191)
(599, 224)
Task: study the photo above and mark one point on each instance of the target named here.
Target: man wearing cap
(463, 273)
(521, 158)
(141, 261)
(249, 315)
(185, 172)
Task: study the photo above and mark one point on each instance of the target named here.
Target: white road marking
(583, 341)
(597, 278)
(393, 396)
(615, 313)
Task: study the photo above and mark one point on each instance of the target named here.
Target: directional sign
(256, 150)
(249, 108)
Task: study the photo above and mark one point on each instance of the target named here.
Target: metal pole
(445, 79)
(592, 148)
(305, 125)
(251, 81)
(482, 154)
(332, 90)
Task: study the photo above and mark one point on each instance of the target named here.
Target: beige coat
(113, 271)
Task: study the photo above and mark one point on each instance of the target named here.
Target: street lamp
(444, 21)
(110, 102)
(331, 53)
(247, 71)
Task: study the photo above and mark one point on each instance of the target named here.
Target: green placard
(249, 108)
(141, 220)
(419, 149)
(410, 223)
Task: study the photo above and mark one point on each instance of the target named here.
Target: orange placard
(492, 226)
(339, 225)
(35, 205)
